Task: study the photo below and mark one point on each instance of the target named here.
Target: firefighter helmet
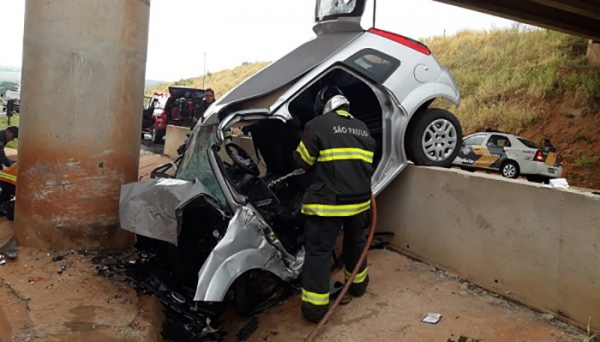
(323, 97)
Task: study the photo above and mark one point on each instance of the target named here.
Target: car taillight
(539, 156)
(411, 43)
(164, 116)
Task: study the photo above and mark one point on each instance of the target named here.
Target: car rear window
(375, 64)
(528, 143)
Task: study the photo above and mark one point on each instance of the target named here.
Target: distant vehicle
(510, 155)
(15, 96)
(176, 108)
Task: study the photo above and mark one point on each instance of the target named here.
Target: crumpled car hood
(153, 208)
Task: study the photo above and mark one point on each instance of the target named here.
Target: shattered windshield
(195, 164)
(326, 8)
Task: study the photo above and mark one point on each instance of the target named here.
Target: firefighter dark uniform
(340, 150)
(8, 184)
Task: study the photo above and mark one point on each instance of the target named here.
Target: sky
(231, 32)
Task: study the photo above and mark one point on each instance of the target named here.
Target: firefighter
(338, 149)
(6, 136)
(8, 185)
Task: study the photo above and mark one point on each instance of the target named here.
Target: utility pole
(374, 12)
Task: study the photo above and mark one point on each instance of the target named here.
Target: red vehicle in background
(178, 107)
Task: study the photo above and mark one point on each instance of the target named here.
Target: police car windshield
(195, 164)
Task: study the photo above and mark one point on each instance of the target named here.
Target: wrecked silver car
(230, 216)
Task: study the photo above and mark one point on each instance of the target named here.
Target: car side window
(474, 140)
(498, 141)
(375, 64)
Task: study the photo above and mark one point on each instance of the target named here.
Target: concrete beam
(536, 14)
(83, 82)
(589, 8)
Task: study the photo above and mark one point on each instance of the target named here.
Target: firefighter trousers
(320, 237)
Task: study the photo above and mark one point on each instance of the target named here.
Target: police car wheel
(510, 169)
(433, 138)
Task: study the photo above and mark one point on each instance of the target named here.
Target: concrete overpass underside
(577, 17)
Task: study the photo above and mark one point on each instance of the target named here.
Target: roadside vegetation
(221, 82)
(527, 81)
(509, 77)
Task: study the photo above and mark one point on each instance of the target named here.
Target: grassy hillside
(221, 82)
(508, 78)
(536, 83)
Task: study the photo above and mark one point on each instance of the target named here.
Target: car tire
(433, 132)
(510, 169)
(253, 289)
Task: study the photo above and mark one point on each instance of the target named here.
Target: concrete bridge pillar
(82, 92)
(593, 52)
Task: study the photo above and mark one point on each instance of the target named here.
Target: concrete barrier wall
(175, 137)
(540, 245)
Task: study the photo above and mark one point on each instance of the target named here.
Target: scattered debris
(548, 317)
(57, 258)
(464, 286)
(248, 329)
(34, 280)
(463, 293)
(186, 320)
(2, 260)
(9, 248)
(558, 183)
(63, 268)
(432, 318)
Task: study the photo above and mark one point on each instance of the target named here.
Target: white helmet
(335, 103)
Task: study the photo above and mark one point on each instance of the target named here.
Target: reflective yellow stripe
(315, 298)
(310, 160)
(8, 177)
(360, 277)
(335, 210)
(347, 153)
(344, 113)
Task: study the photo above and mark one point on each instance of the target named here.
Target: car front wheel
(434, 138)
(510, 169)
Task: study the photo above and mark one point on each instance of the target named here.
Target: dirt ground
(402, 291)
(574, 135)
(40, 303)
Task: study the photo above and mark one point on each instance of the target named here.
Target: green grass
(586, 161)
(506, 76)
(14, 121)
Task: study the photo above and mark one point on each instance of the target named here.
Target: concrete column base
(593, 52)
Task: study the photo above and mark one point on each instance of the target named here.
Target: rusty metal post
(82, 92)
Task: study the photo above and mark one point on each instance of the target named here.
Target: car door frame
(468, 151)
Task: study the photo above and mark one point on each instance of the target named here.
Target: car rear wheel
(510, 169)
(433, 138)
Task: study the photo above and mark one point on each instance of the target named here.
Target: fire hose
(363, 256)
